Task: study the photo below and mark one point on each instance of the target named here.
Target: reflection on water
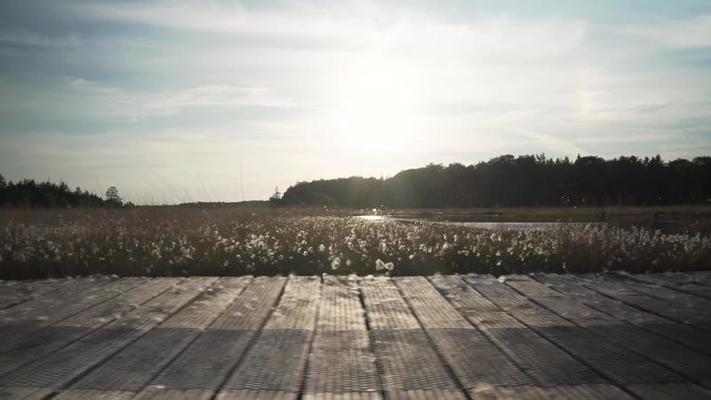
(664, 226)
(522, 225)
(505, 225)
(372, 218)
(481, 225)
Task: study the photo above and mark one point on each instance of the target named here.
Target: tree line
(28, 193)
(528, 180)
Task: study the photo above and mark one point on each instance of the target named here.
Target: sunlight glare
(374, 105)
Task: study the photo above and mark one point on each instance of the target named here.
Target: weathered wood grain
(571, 286)
(67, 300)
(131, 369)
(410, 365)
(41, 342)
(626, 368)
(69, 363)
(473, 358)
(274, 364)
(13, 293)
(668, 353)
(547, 364)
(669, 303)
(594, 337)
(341, 330)
(199, 371)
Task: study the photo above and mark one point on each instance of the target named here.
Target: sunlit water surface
(664, 226)
(481, 225)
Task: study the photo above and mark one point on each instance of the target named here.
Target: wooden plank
(672, 355)
(548, 365)
(199, 371)
(132, 368)
(665, 292)
(275, 363)
(577, 392)
(47, 312)
(430, 338)
(570, 285)
(298, 307)
(402, 346)
(474, 359)
(41, 342)
(665, 302)
(253, 307)
(24, 322)
(341, 363)
(54, 372)
(670, 391)
(430, 308)
(385, 308)
(343, 396)
(261, 394)
(702, 278)
(44, 310)
(618, 364)
(340, 307)
(13, 293)
(685, 283)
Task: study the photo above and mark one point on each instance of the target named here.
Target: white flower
(380, 265)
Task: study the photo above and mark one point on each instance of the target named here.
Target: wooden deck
(347, 338)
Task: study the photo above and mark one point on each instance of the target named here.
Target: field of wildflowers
(173, 241)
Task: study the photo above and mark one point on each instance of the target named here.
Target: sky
(179, 101)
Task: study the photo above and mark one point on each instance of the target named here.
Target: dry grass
(225, 241)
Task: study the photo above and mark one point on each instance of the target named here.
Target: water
(480, 224)
(487, 223)
(509, 225)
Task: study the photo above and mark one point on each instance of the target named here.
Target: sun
(375, 105)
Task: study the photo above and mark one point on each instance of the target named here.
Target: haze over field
(192, 100)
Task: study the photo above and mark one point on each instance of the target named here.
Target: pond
(488, 222)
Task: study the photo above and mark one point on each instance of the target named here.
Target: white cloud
(301, 90)
(119, 102)
(299, 21)
(353, 26)
(689, 33)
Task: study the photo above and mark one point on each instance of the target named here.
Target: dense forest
(529, 180)
(505, 181)
(28, 193)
